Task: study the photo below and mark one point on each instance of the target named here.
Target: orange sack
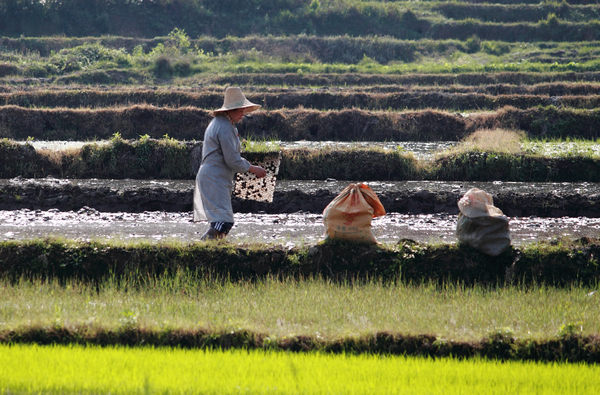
(349, 215)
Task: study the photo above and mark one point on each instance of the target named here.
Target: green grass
(563, 148)
(313, 307)
(260, 145)
(118, 370)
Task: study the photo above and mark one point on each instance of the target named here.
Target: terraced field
(101, 124)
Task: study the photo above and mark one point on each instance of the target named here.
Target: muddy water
(281, 229)
(420, 149)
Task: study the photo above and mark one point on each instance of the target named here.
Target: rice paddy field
(76, 369)
(103, 106)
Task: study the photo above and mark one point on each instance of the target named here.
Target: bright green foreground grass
(59, 369)
(312, 307)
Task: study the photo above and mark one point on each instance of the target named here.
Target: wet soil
(516, 199)
(281, 229)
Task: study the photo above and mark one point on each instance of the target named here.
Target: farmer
(221, 159)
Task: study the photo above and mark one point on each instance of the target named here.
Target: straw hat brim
(248, 107)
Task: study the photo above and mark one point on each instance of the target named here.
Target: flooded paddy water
(255, 224)
(285, 229)
(420, 149)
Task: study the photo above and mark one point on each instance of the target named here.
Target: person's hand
(258, 171)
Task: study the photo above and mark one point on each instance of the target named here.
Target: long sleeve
(230, 146)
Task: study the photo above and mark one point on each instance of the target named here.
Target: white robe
(221, 159)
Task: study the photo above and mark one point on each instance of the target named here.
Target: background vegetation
(522, 22)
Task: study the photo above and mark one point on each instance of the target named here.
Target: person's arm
(258, 171)
(233, 158)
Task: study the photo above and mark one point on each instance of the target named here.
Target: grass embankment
(308, 315)
(395, 101)
(188, 123)
(509, 156)
(484, 156)
(334, 297)
(558, 263)
(118, 370)
(514, 81)
(473, 79)
(202, 90)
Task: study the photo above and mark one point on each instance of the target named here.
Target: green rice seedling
(260, 145)
(563, 148)
(119, 370)
(288, 307)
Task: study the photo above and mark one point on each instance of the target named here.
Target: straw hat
(234, 99)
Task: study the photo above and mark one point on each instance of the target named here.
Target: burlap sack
(348, 216)
(482, 225)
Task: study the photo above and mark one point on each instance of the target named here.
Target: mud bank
(409, 197)
(325, 100)
(171, 159)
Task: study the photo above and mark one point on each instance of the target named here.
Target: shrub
(163, 68)
(410, 21)
(182, 67)
(551, 21)
(473, 44)
(88, 55)
(495, 47)
(178, 40)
